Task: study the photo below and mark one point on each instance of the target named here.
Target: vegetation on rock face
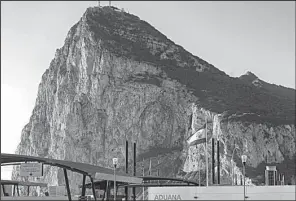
(279, 91)
(216, 91)
(220, 93)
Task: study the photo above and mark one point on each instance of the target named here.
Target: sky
(235, 37)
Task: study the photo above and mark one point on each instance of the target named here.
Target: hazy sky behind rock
(236, 37)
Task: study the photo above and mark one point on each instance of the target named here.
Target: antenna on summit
(99, 4)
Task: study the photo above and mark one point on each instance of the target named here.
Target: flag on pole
(198, 137)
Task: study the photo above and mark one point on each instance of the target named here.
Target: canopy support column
(18, 190)
(28, 190)
(105, 191)
(93, 187)
(3, 188)
(83, 186)
(116, 189)
(13, 194)
(67, 184)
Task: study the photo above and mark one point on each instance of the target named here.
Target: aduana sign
(167, 197)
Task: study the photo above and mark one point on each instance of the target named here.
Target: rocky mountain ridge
(277, 90)
(117, 78)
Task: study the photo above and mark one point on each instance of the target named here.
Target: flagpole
(150, 168)
(198, 166)
(158, 167)
(206, 154)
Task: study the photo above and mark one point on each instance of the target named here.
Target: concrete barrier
(37, 198)
(222, 193)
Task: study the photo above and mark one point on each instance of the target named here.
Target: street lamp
(115, 162)
(143, 168)
(244, 160)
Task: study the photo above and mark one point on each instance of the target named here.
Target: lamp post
(199, 173)
(143, 168)
(232, 163)
(244, 160)
(115, 162)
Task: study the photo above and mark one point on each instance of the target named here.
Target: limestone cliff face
(117, 78)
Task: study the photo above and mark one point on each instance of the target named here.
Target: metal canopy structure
(148, 181)
(119, 178)
(92, 171)
(82, 168)
(20, 183)
(154, 185)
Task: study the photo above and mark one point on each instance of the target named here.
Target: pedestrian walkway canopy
(94, 172)
(147, 182)
(16, 184)
(22, 183)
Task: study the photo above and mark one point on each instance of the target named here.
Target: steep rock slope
(117, 78)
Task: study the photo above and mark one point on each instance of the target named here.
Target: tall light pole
(218, 150)
(199, 173)
(143, 169)
(232, 168)
(115, 162)
(206, 154)
(244, 160)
